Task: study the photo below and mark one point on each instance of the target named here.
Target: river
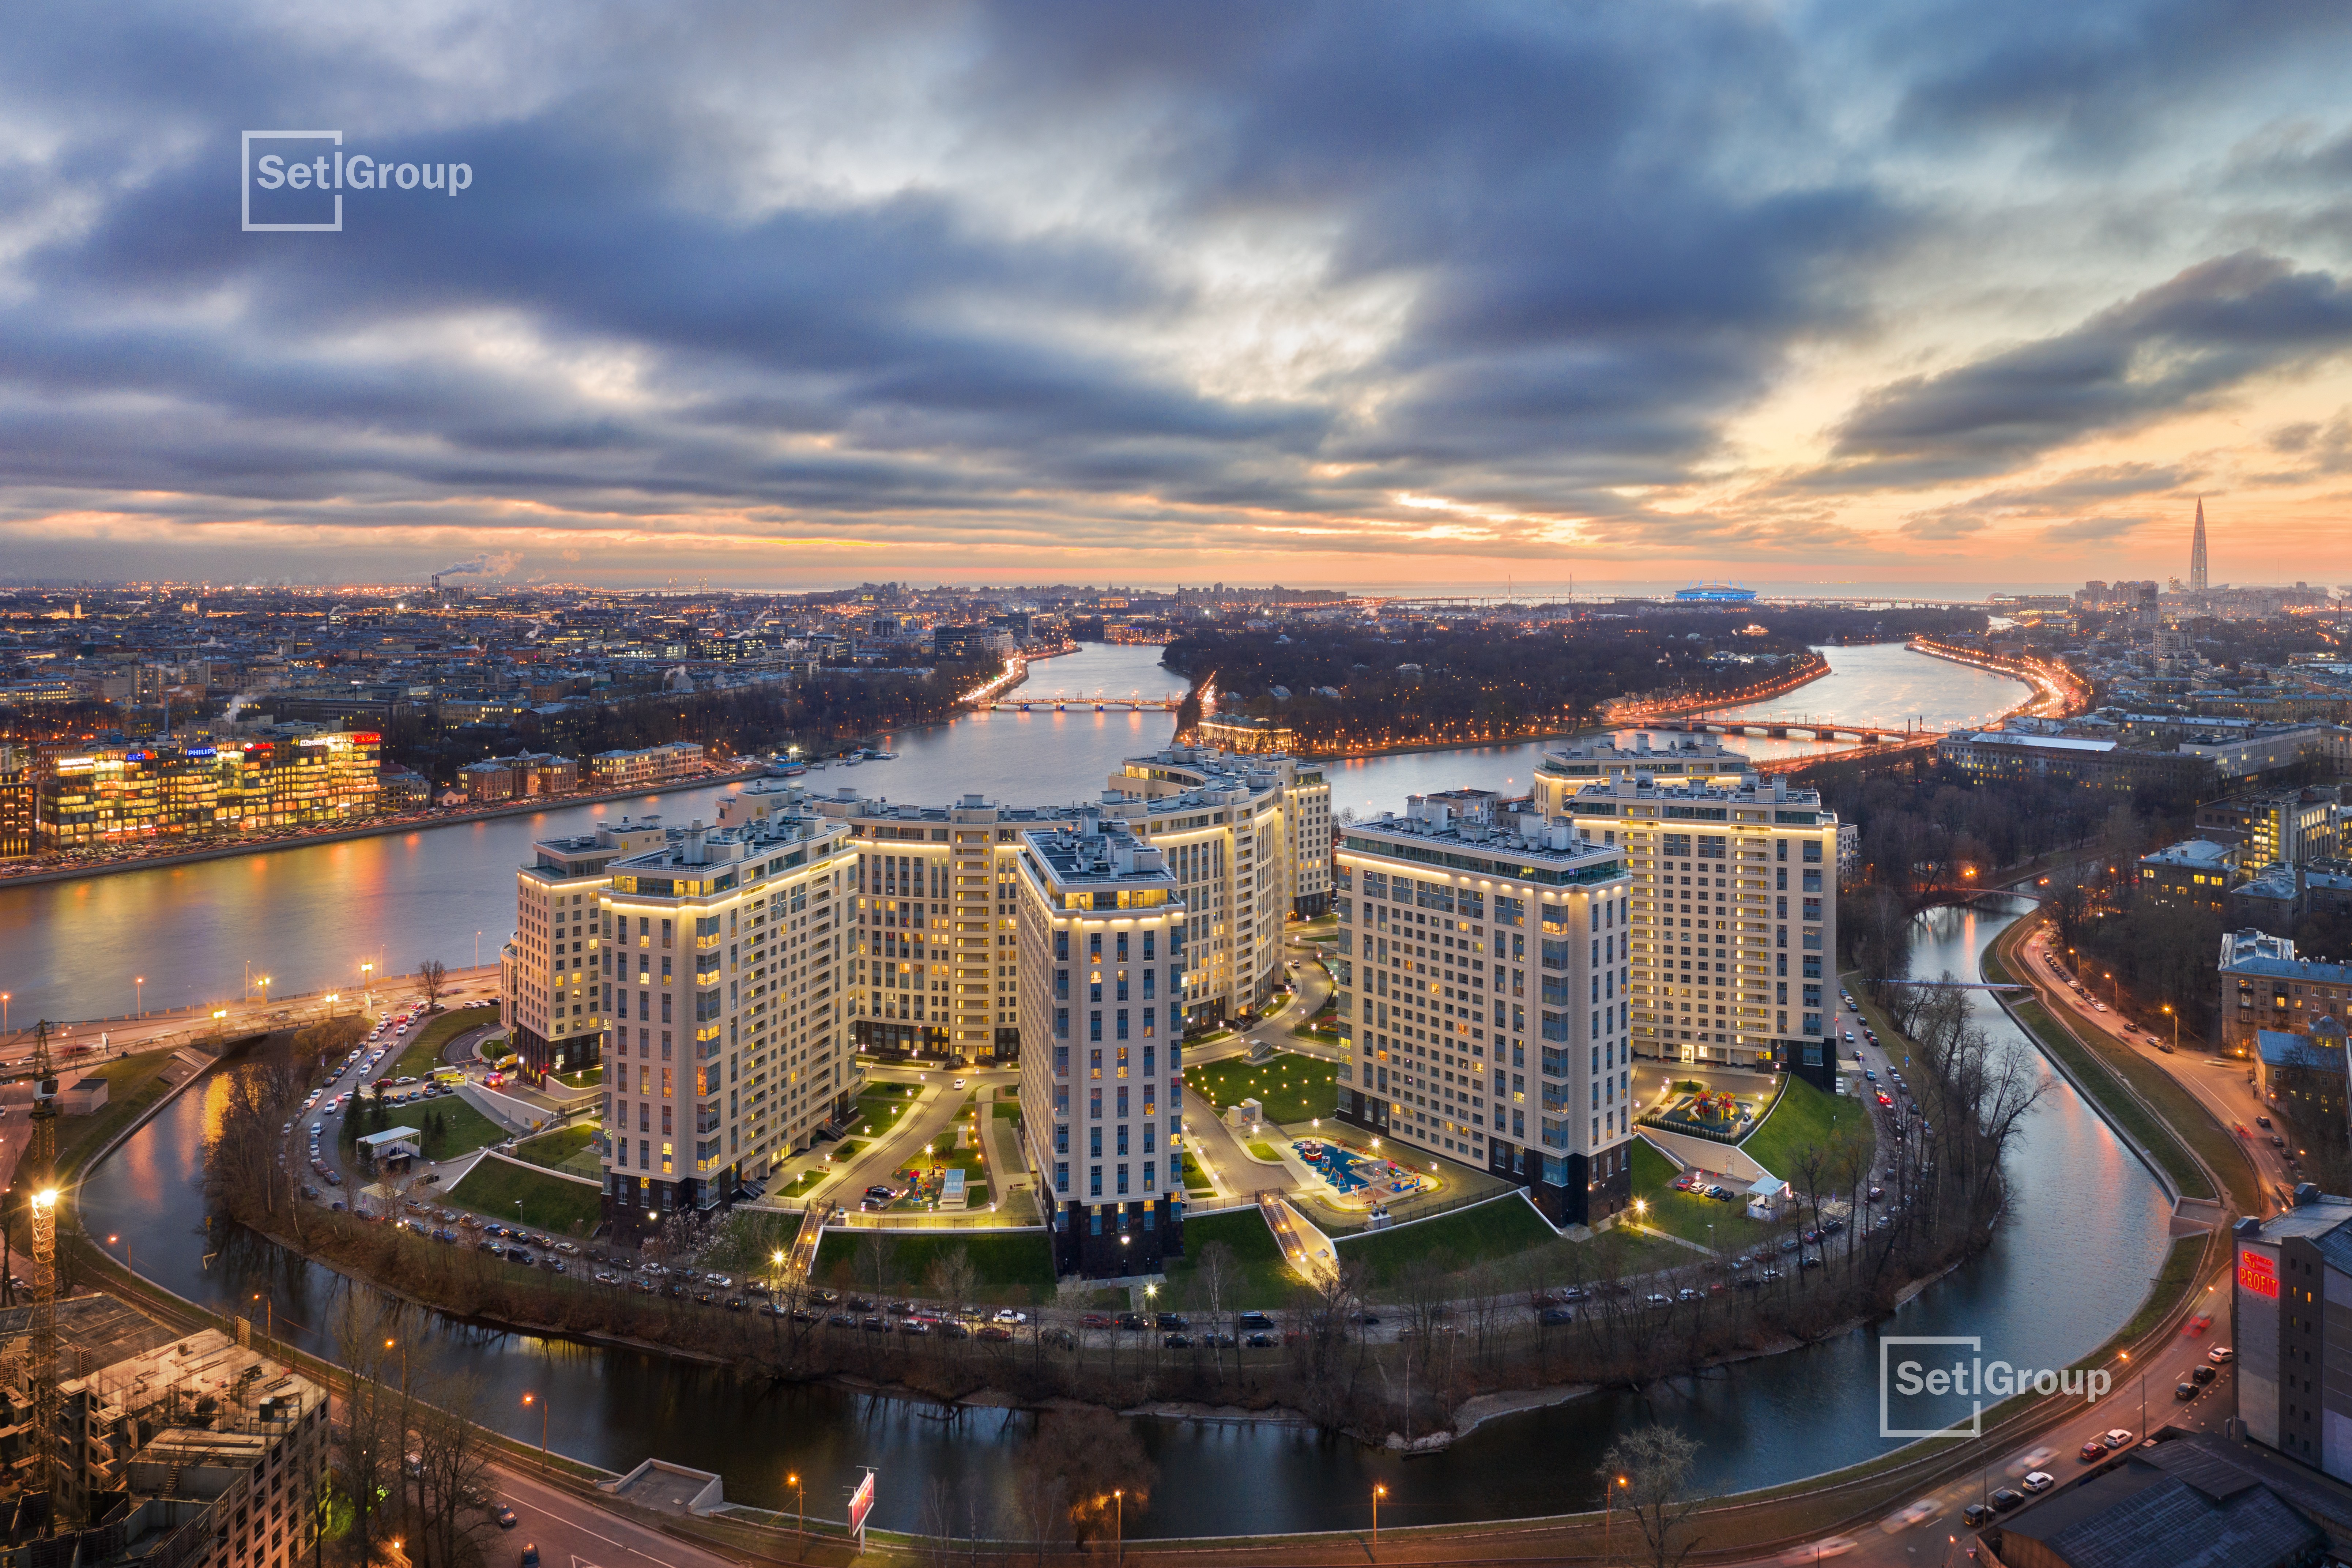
(2049, 1288)
(309, 916)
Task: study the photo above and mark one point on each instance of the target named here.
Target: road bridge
(1086, 704)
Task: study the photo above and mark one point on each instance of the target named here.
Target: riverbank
(1811, 667)
(374, 830)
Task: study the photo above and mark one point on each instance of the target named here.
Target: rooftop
(2202, 853)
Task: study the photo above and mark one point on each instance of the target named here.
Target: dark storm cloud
(2178, 346)
(700, 273)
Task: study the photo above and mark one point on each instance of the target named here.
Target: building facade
(653, 765)
(2265, 986)
(549, 997)
(1102, 938)
(721, 975)
(89, 798)
(2008, 754)
(2195, 874)
(2292, 1295)
(1734, 915)
(2275, 827)
(1483, 967)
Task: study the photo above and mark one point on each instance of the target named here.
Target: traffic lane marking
(516, 1482)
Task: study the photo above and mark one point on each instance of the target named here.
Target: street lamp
(1608, 1514)
(1118, 1526)
(1379, 1492)
(141, 994)
(2176, 1026)
(129, 1255)
(527, 1400)
(800, 1516)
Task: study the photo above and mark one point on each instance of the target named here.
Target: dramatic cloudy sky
(1976, 292)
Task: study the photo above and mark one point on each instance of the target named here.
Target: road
(2142, 1400)
(151, 1031)
(2224, 1084)
(573, 1534)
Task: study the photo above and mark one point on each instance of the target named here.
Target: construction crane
(39, 1173)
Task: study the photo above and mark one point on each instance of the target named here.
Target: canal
(2054, 1284)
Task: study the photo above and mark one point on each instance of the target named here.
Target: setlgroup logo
(1938, 1385)
(294, 182)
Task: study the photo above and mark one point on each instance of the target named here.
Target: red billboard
(2258, 1275)
(861, 1503)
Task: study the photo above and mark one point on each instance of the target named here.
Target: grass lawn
(1007, 1111)
(133, 1084)
(2183, 1112)
(1805, 1117)
(423, 1052)
(2093, 1074)
(571, 1149)
(879, 1107)
(548, 1203)
(799, 1185)
(1195, 1179)
(586, 1077)
(460, 1128)
(1011, 1269)
(1265, 1152)
(1687, 1214)
(1496, 1229)
(1264, 1279)
(1291, 1086)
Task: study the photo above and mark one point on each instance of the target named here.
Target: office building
(1102, 933)
(726, 949)
(1734, 915)
(1992, 755)
(2275, 827)
(2292, 1292)
(91, 797)
(16, 802)
(2190, 1499)
(2265, 986)
(1484, 971)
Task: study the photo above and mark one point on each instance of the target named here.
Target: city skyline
(968, 294)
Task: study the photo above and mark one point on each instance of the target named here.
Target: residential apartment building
(192, 1450)
(1734, 915)
(1697, 759)
(1470, 947)
(2265, 986)
(16, 813)
(652, 765)
(1250, 839)
(1102, 937)
(549, 997)
(2195, 874)
(726, 949)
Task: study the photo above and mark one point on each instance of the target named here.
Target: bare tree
(367, 1329)
(1649, 1468)
(452, 1457)
(1217, 1274)
(433, 975)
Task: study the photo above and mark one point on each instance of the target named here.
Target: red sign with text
(2257, 1275)
(861, 1502)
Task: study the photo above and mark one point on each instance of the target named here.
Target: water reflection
(2059, 1279)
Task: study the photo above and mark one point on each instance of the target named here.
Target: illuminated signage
(861, 1503)
(2258, 1275)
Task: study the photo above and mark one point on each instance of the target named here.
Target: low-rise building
(2292, 1300)
(1992, 755)
(652, 765)
(2275, 827)
(2195, 874)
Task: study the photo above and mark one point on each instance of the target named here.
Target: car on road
(2185, 1391)
(2202, 1376)
(959, 1083)
(504, 1515)
(2261, 1121)
(2117, 1437)
(2092, 1451)
(1260, 1342)
(2038, 1481)
(2032, 1460)
(2221, 1355)
(1976, 1513)
(1011, 1315)
(1818, 1551)
(2006, 1498)
(530, 1555)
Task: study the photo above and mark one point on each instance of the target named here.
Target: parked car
(504, 1515)
(2038, 1481)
